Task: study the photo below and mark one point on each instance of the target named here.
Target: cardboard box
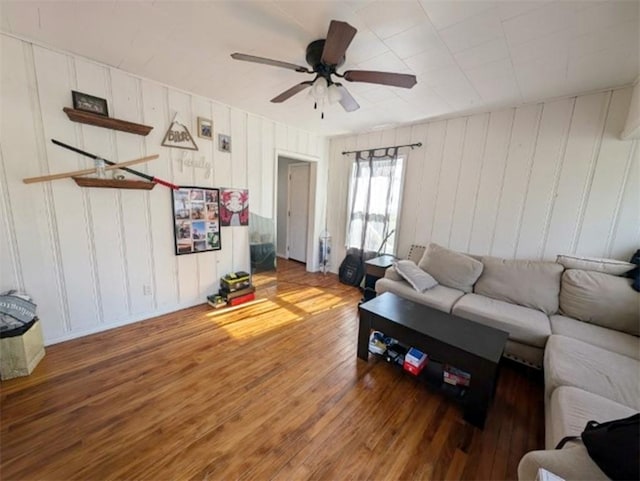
(235, 281)
(242, 299)
(456, 377)
(415, 361)
(376, 343)
(216, 301)
(20, 355)
(228, 295)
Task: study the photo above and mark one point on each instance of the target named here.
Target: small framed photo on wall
(234, 207)
(89, 103)
(205, 128)
(196, 220)
(224, 143)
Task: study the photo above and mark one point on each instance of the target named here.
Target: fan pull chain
(315, 107)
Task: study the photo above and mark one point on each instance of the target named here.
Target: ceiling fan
(325, 56)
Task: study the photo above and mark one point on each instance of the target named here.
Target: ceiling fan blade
(291, 92)
(385, 78)
(347, 101)
(268, 61)
(338, 40)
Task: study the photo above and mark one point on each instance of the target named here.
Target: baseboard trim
(112, 325)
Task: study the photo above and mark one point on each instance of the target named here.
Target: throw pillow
(602, 299)
(533, 284)
(606, 266)
(451, 268)
(419, 279)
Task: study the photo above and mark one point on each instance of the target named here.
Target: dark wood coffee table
(465, 344)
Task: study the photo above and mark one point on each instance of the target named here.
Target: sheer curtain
(374, 201)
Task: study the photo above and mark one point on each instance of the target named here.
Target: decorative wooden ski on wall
(150, 178)
(75, 173)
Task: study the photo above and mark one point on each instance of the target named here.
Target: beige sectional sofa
(580, 325)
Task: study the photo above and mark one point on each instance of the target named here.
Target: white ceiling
(468, 56)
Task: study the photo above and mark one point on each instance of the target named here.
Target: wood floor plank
(500, 458)
(517, 446)
(383, 434)
(273, 390)
(456, 466)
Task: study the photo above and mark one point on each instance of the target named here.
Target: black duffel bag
(614, 446)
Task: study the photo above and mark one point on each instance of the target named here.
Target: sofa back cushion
(451, 268)
(608, 266)
(602, 299)
(531, 284)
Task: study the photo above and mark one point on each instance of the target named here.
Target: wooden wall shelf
(114, 183)
(106, 122)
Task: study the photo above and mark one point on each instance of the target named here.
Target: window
(374, 202)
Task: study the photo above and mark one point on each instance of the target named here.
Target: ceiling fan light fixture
(334, 94)
(319, 89)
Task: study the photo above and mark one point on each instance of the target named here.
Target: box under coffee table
(465, 344)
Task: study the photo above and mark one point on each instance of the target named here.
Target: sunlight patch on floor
(264, 278)
(264, 315)
(227, 310)
(312, 300)
(255, 320)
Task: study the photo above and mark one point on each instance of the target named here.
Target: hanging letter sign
(178, 136)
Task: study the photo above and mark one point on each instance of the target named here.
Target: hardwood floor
(268, 391)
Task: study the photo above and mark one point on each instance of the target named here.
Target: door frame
(312, 229)
(288, 220)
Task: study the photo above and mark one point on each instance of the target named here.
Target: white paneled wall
(530, 182)
(86, 255)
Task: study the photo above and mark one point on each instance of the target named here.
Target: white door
(298, 212)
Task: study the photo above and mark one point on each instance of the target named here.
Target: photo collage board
(196, 215)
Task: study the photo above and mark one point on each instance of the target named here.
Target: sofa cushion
(524, 325)
(615, 341)
(420, 280)
(531, 284)
(570, 362)
(571, 408)
(606, 266)
(440, 297)
(451, 268)
(572, 463)
(601, 299)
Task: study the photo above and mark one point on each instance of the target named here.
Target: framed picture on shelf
(89, 103)
(205, 128)
(196, 219)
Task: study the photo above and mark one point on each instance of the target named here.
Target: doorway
(293, 203)
(298, 212)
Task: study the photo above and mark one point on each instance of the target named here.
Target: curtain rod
(419, 144)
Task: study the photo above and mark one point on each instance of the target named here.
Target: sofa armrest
(392, 274)
(572, 463)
